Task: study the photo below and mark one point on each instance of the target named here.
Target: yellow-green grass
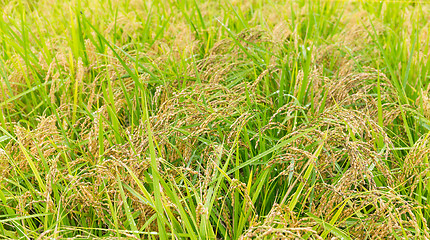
(195, 119)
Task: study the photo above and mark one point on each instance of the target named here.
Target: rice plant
(192, 119)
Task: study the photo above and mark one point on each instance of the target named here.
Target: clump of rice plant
(214, 119)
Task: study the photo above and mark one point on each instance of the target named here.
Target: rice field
(193, 119)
